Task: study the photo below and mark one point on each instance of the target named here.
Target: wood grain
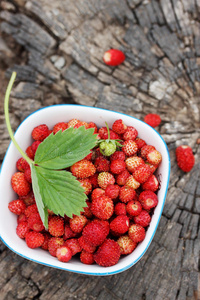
(56, 47)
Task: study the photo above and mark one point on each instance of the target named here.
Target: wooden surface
(56, 47)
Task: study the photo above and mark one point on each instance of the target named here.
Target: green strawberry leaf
(58, 191)
(65, 148)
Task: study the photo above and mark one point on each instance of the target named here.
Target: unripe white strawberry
(105, 179)
(132, 182)
(133, 162)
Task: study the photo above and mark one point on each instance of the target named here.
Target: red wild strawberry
(35, 222)
(126, 244)
(87, 210)
(154, 157)
(81, 123)
(86, 184)
(132, 182)
(120, 209)
(19, 184)
(97, 193)
(40, 132)
(86, 258)
(21, 218)
(83, 169)
(102, 207)
(134, 208)
(118, 155)
(34, 239)
(97, 153)
(102, 164)
(64, 254)
(27, 175)
(140, 142)
(119, 225)
(143, 219)
(68, 232)
(34, 147)
(117, 166)
(31, 209)
(113, 57)
(119, 127)
(105, 179)
(53, 244)
(89, 156)
(108, 253)
(121, 178)
(56, 226)
(93, 180)
(86, 246)
(112, 191)
(17, 206)
(93, 125)
(113, 135)
(50, 131)
(29, 152)
(95, 232)
(133, 162)
(129, 147)
(126, 194)
(136, 233)
(130, 133)
(77, 223)
(142, 173)
(22, 164)
(47, 237)
(50, 213)
(103, 133)
(152, 167)
(151, 184)
(148, 199)
(66, 218)
(145, 150)
(73, 245)
(105, 225)
(152, 119)
(185, 158)
(60, 126)
(22, 229)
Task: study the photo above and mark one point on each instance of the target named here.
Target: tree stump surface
(56, 47)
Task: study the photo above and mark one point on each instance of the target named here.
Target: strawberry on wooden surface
(113, 57)
(185, 158)
(152, 119)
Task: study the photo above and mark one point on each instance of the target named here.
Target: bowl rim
(158, 219)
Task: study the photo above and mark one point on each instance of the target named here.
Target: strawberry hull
(50, 116)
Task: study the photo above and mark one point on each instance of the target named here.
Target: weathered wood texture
(56, 47)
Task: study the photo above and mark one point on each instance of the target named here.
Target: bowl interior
(51, 115)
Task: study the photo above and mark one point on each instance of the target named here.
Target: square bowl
(50, 116)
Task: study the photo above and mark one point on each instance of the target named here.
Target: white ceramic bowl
(51, 115)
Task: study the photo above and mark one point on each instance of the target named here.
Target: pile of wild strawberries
(121, 190)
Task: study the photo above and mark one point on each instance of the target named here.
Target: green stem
(6, 112)
(108, 130)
